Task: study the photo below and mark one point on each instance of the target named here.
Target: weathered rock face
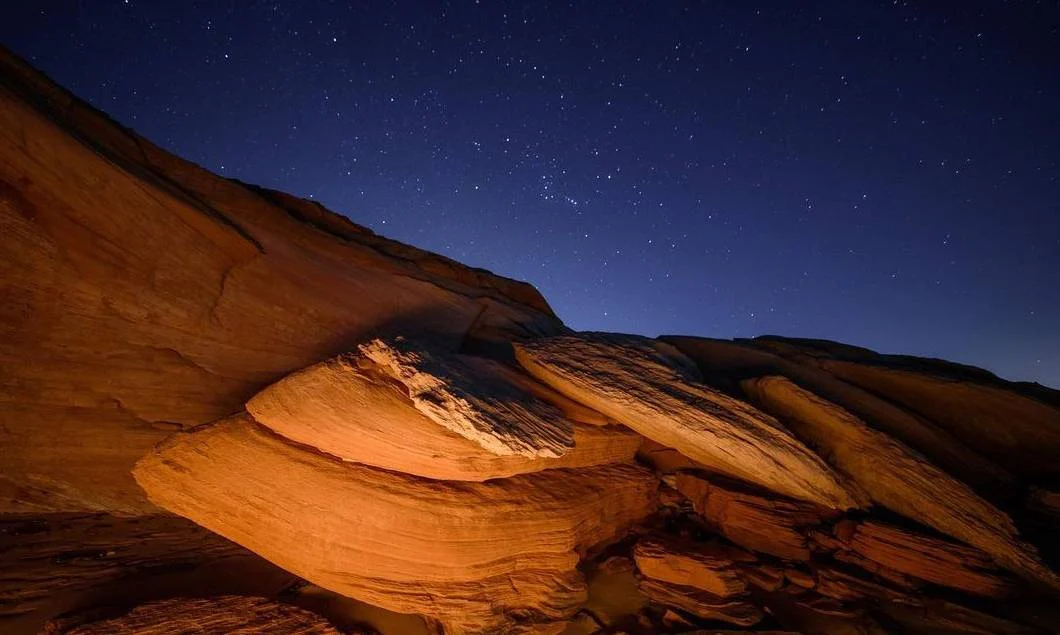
(653, 389)
(468, 554)
(353, 409)
(281, 422)
(897, 477)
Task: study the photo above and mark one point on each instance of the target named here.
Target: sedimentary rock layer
(350, 408)
(739, 611)
(470, 554)
(728, 362)
(898, 478)
(709, 567)
(653, 389)
(751, 520)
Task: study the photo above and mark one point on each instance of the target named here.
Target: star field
(884, 174)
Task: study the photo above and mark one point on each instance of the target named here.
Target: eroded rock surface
(898, 478)
(653, 389)
(354, 409)
(469, 554)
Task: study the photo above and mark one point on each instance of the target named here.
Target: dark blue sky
(884, 174)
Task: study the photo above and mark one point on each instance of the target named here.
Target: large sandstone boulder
(470, 554)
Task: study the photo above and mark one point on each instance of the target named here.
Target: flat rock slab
(652, 388)
(355, 409)
(469, 554)
(755, 522)
(898, 478)
(709, 567)
(733, 610)
(936, 560)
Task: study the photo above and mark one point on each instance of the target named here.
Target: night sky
(884, 174)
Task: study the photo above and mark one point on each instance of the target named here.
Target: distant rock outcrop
(227, 409)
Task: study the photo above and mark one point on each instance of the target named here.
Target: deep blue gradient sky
(885, 174)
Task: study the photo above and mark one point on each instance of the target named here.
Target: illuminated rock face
(468, 554)
(221, 403)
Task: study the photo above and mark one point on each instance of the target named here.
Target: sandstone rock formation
(466, 553)
(232, 614)
(653, 389)
(897, 477)
(228, 408)
(352, 409)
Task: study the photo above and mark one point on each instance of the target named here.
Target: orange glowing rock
(358, 409)
(898, 478)
(653, 389)
(470, 554)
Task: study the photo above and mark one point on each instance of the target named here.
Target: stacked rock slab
(652, 388)
(898, 478)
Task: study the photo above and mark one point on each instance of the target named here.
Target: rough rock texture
(898, 478)
(653, 389)
(473, 398)
(712, 568)
(230, 614)
(407, 544)
(348, 407)
(739, 611)
(756, 522)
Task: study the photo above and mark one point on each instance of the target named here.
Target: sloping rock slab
(652, 388)
(898, 478)
(349, 407)
(728, 362)
(1020, 432)
(469, 554)
(473, 398)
